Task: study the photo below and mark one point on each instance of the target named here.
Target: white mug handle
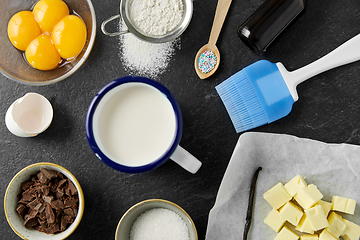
(185, 160)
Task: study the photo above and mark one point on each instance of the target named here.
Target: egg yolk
(69, 36)
(48, 13)
(41, 53)
(22, 29)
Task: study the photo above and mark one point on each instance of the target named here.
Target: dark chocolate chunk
(22, 201)
(49, 202)
(71, 212)
(50, 217)
(72, 188)
(38, 207)
(69, 219)
(30, 222)
(60, 175)
(53, 228)
(50, 174)
(42, 215)
(63, 223)
(61, 183)
(42, 188)
(34, 178)
(71, 202)
(42, 177)
(30, 218)
(42, 224)
(28, 195)
(48, 199)
(59, 193)
(26, 185)
(42, 208)
(21, 210)
(53, 187)
(39, 228)
(33, 203)
(57, 204)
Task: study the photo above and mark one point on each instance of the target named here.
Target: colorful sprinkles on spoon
(207, 61)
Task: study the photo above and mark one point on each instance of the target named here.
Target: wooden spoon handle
(220, 15)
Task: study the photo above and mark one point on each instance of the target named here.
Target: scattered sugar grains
(145, 59)
(159, 224)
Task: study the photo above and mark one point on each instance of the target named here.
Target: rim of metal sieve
(124, 14)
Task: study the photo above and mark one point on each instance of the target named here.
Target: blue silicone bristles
(255, 96)
(241, 102)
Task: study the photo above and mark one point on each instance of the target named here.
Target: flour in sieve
(145, 59)
(156, 17)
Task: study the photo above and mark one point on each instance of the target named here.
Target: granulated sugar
(145, 59)
(159, 224)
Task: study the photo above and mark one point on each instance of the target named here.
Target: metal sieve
(169, 36)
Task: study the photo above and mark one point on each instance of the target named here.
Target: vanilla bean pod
(250, 204)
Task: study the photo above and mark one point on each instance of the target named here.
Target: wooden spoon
(220, 15)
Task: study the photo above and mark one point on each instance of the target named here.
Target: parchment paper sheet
(333, 168)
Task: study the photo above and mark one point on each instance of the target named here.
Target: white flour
(156, 17)
(145, 59)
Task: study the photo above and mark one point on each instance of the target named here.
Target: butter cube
(326, 206)
(337, 225)
(352, 231)
(309, 237)
(286, 234)
(308, 196)
(274, 220)
(325, 235)
(291, 213)
(293, 186)
(317, 217)
(277, 196)
(344, 205)
(304, 225)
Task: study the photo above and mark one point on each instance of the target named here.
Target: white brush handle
(344, 54)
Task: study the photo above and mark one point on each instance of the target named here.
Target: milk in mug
(134, 124)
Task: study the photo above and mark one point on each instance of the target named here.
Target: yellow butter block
(344, 205)
(286, 234)
(308, 196)
(352, 231)
(293, 186)
(277, 196)
(325, 235)
(291, 213)
(304, 225)
(274, 220)
(309, 237)
(317, 217)
(326, 206)
(337, 225)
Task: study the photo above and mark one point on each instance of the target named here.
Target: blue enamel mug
(134, 125)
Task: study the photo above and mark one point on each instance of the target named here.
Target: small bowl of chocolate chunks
(44, 201)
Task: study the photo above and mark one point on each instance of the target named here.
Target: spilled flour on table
(145, 59)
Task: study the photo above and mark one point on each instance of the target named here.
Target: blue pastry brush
(264, 92)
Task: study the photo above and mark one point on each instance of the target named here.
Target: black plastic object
(268, 21)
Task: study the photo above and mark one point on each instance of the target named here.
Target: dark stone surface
(327, 111)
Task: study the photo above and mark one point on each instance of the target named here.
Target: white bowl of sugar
(156, 219)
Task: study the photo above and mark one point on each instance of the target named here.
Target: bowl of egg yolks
(45, 41)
